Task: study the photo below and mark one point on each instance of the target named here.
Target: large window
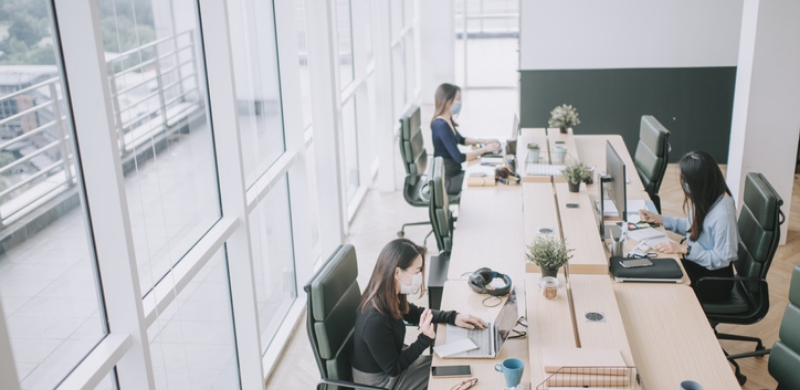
(344, 28)
(49, 286)
(351, 167)
(157, 79)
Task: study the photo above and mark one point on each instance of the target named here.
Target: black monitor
(615, 170)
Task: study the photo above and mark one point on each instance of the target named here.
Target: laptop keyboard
(481, 338)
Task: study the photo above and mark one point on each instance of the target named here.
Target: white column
(92, 113)
(385, 125)
(225, 122)
(326, 113)
(8, 370)
(438, 41)
(766, 109)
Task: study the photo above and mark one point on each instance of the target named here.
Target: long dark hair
(445, 93)
(701, 175)
(381, 292)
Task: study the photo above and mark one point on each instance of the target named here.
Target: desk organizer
(594, 377)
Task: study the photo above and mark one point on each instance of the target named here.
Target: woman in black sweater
(379, 357)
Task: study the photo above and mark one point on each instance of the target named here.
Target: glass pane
(157, 78)
(313, 202)
(396, 11)
(109, 382)
(192, 341)
(305, 85)
(368, 30)
(408, 12)
(399, 78)
(411, 63)
(273, 259)
(48, 276)
(255, 69)
(350, 148)
(344, 31)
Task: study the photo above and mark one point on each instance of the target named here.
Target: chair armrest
(322, 382)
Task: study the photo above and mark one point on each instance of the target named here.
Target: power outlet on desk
(594, 316)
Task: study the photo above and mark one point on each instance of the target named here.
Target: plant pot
(563, 130)
(574, 187)
(549, 271)
(533, 156)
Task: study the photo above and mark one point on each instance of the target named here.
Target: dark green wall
(694, 104)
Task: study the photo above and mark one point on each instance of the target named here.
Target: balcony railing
(154, 90)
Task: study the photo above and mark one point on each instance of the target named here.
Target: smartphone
(450, 371)
(636, 263)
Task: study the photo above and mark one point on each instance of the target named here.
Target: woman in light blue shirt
(712, 238)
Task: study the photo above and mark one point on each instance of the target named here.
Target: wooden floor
(381, 215)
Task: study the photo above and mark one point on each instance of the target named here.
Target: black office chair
(759, 229)
(415, 161)
(652, 156)
(333, 296)
(784, 361)
(442, 222)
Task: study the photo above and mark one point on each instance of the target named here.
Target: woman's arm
(439, 317)
(725, 235)
(377, 335)
(675, 224)
(475, 141)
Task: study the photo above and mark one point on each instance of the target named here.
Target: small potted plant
(564, 116)
(533, 153)
(549, 254)
(575, 173)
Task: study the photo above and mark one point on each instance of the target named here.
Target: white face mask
(416, 282)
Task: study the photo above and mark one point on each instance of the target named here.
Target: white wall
(614, 34)
(766, 110)
(437, 46)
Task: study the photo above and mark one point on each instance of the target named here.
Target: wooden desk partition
(670, 337)
(539, 206)
(581, 232)
(489, 232)
(458, 296)
(549, 325)
(595, 294)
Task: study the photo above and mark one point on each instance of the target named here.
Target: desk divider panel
(458, 296)
(489, 232)
(539, 206)
(580, 230)
(549, 325)
(595, 294)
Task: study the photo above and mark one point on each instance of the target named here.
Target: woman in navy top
(712, 238)
(446, 137)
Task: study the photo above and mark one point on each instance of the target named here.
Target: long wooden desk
(659, 328)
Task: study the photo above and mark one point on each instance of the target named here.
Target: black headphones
(479, 282)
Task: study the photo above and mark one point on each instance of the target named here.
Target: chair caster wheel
(401, 233)
(742, 379)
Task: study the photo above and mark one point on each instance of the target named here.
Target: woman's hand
(425, 324)
(469, 321)
(670, 247)
(649, 216)
(491, 147)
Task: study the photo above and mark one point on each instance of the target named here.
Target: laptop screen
(506, 319)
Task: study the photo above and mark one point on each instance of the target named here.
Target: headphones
(479, 282)
(503, 175)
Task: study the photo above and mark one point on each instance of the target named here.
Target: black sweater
(378, 340)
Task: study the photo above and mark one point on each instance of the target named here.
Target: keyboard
(483, 339)
(543, 170)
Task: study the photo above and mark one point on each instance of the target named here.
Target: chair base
(736, 337)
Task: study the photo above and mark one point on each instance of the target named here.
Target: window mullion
(86, 73)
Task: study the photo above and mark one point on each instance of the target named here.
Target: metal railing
(153, 92)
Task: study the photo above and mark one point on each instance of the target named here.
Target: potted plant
(564, 116)
(575, 173)
(549, 254)
(533, 153)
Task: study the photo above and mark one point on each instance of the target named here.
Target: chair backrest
(439, 208)
(412, 148)
(759, 228)
(333, 296)
(652, 153)
(784, 360)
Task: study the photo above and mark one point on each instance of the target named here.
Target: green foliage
(564, 116)
(575, 172)
(6, 158)
(533, 146)
(548, 252)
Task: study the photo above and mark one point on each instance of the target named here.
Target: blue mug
(512, 371)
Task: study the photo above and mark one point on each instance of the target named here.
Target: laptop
(490, 339)
(514, 134)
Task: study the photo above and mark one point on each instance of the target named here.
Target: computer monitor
(615, 170)
(515, 127)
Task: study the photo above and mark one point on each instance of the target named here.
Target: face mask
(686, 188)
(456, 107)
(416, 282)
